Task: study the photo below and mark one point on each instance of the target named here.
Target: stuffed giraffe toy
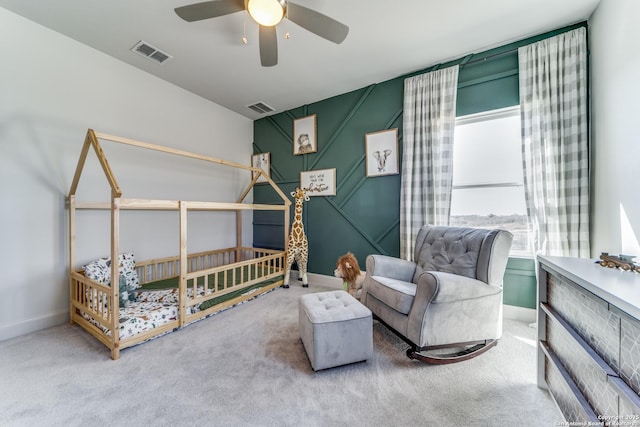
(297, 246)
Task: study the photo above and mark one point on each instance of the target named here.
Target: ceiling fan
(268, 13)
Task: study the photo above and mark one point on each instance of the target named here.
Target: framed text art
(262, 161)
(382, 152)
(304, 135)
(321, 182)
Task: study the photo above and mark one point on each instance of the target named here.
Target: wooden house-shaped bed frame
(94, 305)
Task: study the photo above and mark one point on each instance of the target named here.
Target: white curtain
(553, 102)
(429, 115)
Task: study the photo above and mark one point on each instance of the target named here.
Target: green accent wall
(363, 216)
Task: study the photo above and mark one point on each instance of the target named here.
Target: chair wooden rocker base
(416, 353)
(469, 349)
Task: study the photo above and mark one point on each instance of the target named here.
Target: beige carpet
(246, 366)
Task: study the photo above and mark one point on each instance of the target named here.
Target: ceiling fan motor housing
(267, 12)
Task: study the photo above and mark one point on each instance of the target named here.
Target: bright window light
(488, 183)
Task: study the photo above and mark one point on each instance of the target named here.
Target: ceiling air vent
(145, 49)
(260, 107)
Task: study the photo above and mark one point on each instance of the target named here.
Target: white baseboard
(512, 312)
(522, 314)
(32, 325)
(320, 279)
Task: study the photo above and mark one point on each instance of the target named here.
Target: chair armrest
(393, 268)
(426, 290)
(453, 287)
(441, 287)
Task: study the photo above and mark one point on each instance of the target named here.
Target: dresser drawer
(568, 397)
(588, 315)
(585, 367)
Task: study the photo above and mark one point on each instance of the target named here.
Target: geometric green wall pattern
(363, 216)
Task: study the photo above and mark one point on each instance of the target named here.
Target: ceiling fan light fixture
(266, 12)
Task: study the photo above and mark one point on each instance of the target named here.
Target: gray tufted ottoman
(335, 329)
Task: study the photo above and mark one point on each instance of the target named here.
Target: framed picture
(321, 182)
(262, 161)
(382, 152)
(304, 135)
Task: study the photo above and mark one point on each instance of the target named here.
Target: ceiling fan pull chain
(287, 35)
(244, 30)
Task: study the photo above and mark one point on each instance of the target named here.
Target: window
(488, 188)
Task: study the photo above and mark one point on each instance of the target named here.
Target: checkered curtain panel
(553, 103)
(427, 162)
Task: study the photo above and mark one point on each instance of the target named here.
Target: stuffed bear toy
(348, 269)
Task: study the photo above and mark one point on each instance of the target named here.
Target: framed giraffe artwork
(262, 161)
(321, 182)
(304, 135)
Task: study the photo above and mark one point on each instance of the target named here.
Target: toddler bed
(155, 306)
(167, 293)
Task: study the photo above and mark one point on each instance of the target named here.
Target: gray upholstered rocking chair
(449, 299)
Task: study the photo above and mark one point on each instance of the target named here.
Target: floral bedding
(141, 310)
(150, 310)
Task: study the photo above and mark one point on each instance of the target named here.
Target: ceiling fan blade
(317, 23)
(209, 9)
(268, 46)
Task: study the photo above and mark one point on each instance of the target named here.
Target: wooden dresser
(589, 340)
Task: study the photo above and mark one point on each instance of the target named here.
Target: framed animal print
(262, 161)
(304, 135)
(382, 152)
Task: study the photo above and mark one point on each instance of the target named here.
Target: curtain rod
(461, 62)
(515, 49)
(495, 55)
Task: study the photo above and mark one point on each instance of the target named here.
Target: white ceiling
(386, 40)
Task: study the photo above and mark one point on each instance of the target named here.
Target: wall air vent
(260, 108)
(145, 49)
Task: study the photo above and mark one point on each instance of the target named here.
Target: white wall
(615, 75)
(51, 90)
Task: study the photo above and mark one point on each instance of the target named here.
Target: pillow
(100, 270)
(127, 264)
